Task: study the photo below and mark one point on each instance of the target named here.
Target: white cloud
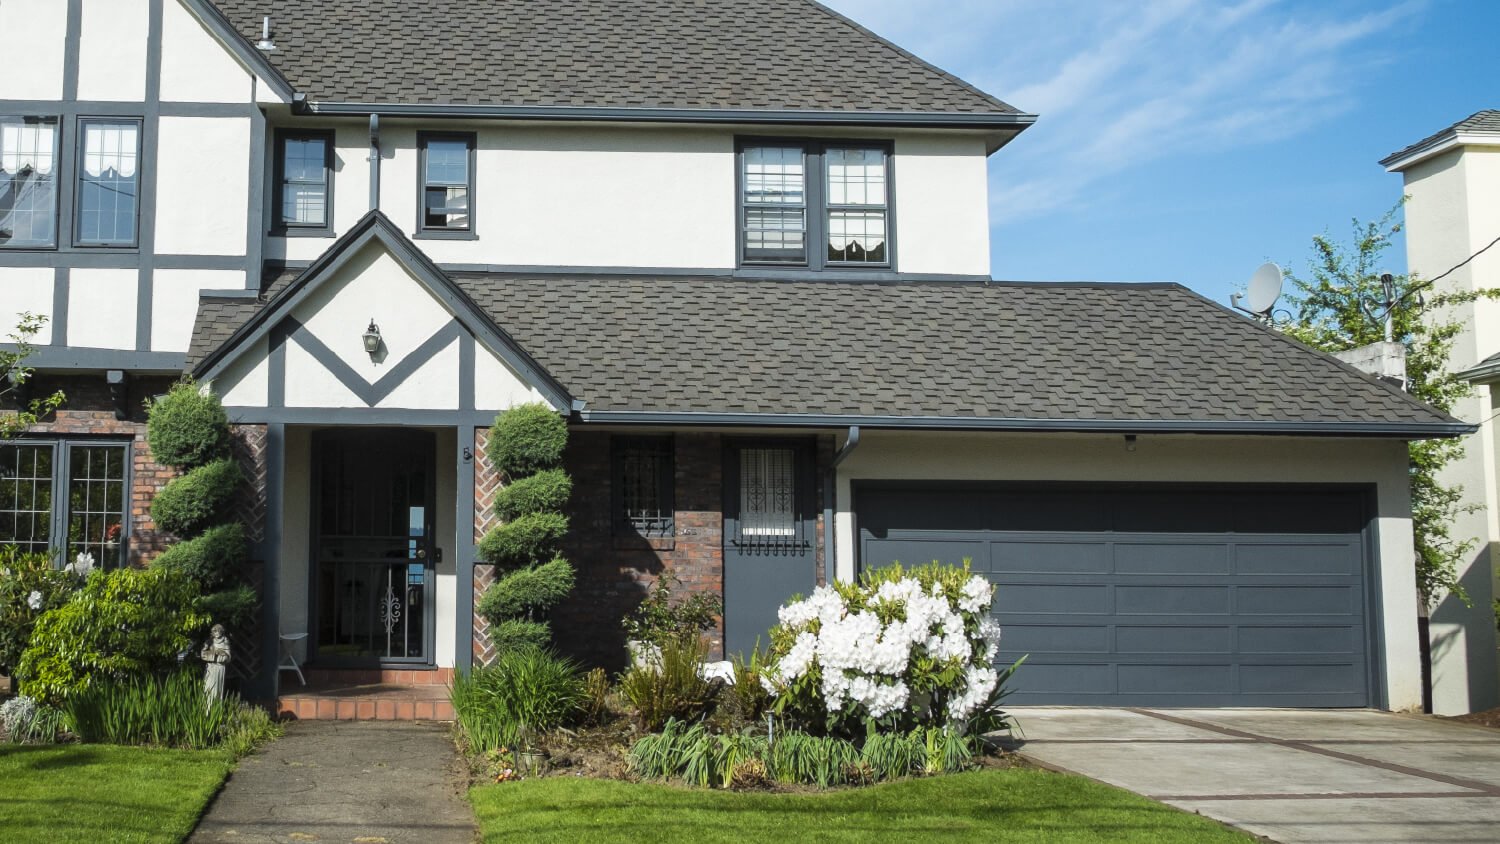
(1119, 85)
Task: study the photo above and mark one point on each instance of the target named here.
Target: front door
(373, 520)
(770, 527)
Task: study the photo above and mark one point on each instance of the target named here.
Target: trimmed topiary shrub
(211, 559)
(534, 536)
(526, 444)
(187, 427)
(545, 492)
(190, 503)
(527, 439)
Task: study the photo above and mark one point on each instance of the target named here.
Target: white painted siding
(910, 456)
(102, 308)
(202, 190)
(196, 68)
(35, 34)
(112, 50)
(26, 290)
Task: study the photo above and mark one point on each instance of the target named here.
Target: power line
(1455, 268)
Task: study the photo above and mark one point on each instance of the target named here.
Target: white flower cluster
(34, 600)
(866, 663)
(17, 714)
(82, 564)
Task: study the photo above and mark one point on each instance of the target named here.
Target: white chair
(288, 656)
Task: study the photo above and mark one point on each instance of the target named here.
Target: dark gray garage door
(1152, 596)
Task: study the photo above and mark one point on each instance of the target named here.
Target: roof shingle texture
(1480, 121)
(700, 54)
(939, 349)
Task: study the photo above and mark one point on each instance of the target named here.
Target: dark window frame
(424, 231)
(279, 226)
(60, 517)
(624, 524)
(58, 171)
(815, 201)
(79, 153)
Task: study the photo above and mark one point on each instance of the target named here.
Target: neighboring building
(1452, 181)
(744, 248)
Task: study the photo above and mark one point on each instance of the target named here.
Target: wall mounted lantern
(372, 339)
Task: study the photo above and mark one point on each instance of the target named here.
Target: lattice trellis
(245, 639)
(248, 445)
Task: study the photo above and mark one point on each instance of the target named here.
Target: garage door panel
(1049, 557)
(1160, 596)
(1175, 639)
(1299, 559)
(1164, 558)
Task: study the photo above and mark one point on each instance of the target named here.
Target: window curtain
(28, 147)
(110, 147)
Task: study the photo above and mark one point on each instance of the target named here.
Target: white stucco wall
(35, 36)
(907, 456)
(942, 206)
(1453, 210)
(102, 308)
(174, 303)
(294, 572)
(196, 68)
(26, 290)
(446, 623)
(112, 50)
(200, 196)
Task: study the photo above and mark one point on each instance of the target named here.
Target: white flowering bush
(30, 585)
(902, 648)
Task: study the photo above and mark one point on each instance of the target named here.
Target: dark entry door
(1161, 595)
(769, 536)
(373, 520)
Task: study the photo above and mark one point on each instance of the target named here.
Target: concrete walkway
(1288, 775)
(372, 782)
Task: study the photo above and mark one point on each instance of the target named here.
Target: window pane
(768, 492)
(774, 175)
(445, 179)
(96, 502)
(856, 177)
(304, 190)
(644, 472)
(107, 185)
(26, 496)
(775, 234)
(857, 236)
(28, 181)
(447, 208)
(447, 163)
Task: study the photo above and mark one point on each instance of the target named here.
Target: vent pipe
(265, 44)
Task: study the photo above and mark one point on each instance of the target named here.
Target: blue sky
(1191, 141)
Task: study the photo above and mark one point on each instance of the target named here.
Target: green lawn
(98, 792)
(990, 806)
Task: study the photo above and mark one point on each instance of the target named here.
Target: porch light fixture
(372, 339)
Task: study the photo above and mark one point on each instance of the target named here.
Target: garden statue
(215, 656)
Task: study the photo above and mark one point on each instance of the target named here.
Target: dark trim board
(1359, 518)
(62, 358)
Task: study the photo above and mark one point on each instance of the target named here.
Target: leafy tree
(1332, 311)
(14, 375)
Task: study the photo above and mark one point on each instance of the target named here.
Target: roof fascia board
(1485, 373)
(376, 227)
(928, 120)
(1415, 430)
(1403, 160)
(211, 17)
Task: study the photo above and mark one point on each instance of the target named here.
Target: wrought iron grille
(769, 515)
(643, 476)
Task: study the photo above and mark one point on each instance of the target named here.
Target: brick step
(365, 702)
(317, 676)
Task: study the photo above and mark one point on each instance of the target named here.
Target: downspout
(830, 489)
(374, 162)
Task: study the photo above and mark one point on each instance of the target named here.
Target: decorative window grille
(28, 181)
(91, 516)
(769, 516)
(108, 182)
(643, 478)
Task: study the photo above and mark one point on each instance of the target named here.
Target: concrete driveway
(1289, 775)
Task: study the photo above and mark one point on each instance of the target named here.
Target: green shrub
(513, 634)
(249, 727)
(211, 559)
(27, 722)
(526, 590)
(527, 439)
(189, 503)
(670, 685)
(187, 427)
(529, 538)
(745, 701)
(29, 586)
(123, 623)
(525, 692)
(232, 607)
(545, 492)
(169, 711)
(660, 617)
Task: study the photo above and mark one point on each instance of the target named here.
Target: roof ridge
(910, 56)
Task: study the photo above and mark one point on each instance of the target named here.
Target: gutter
(1399, 430)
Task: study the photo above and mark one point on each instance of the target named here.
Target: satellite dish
(1264, 289)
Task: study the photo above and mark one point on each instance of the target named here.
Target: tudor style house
(743, 248)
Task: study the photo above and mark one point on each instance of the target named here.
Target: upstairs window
(304, 176)
(446, 171)
(28, 181)
(109, 152)
(643, 470)
(815, 204)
